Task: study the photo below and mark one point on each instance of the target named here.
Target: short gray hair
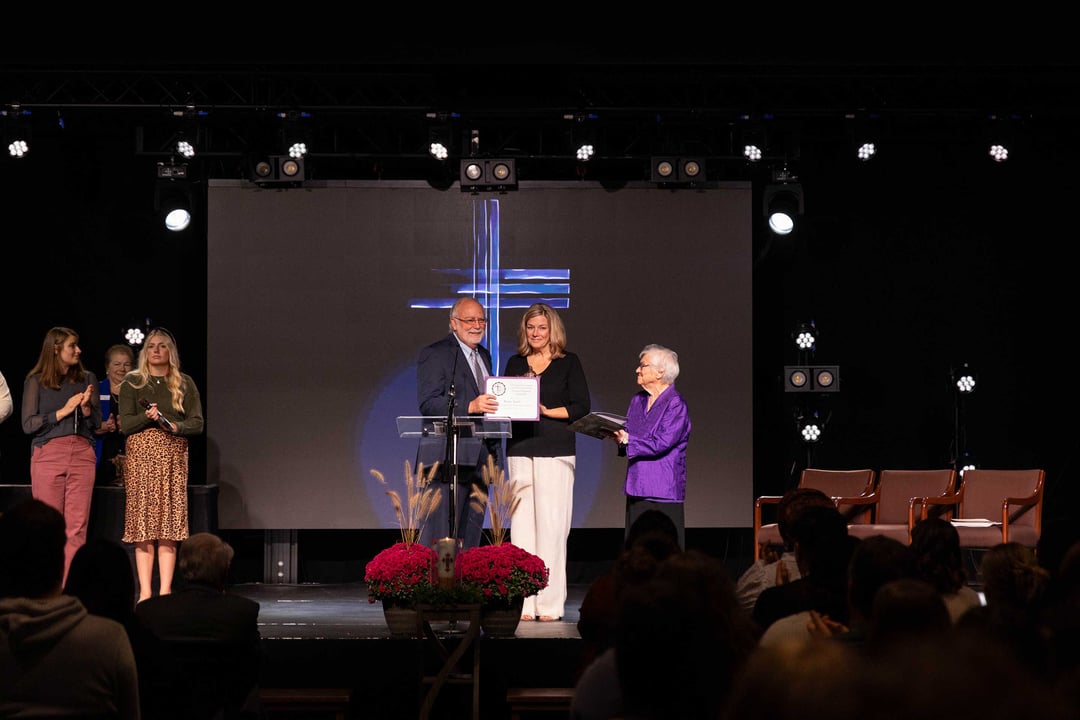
(666, 361)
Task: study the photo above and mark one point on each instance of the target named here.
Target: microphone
(162, 420)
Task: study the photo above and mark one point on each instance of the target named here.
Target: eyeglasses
(471, 321)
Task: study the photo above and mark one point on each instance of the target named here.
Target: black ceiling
(372, 109)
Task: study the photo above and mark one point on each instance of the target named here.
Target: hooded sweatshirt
(57, 658)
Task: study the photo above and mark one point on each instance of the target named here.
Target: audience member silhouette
(655, 536)
(907, 610)
(822, 547)
(778, 565)
(56, 659)
(1017, 590)
(924, 678)
(680, 640)
(102, 577)
(939, 561)
(210, 636)
(1063, 622)
(875, 561)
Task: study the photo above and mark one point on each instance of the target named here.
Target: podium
(452, 444)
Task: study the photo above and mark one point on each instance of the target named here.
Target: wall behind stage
(319, 299)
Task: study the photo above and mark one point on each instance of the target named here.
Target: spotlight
(752, 153)
(964, 379)
(172, 197)
(278, 170)
(806, 336)
(298, 150)
(134, 336)
(676, 170)
(783, 205)
(438, 151)
(18, 148)
(999, 153)
(866, 151)
(185, 149)
(803, 378)
(585, 152)
(811, 431)
(488, 174)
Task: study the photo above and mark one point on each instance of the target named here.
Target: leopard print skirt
(155, 478)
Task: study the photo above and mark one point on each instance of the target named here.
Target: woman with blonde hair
(541, 455)
(160, 408)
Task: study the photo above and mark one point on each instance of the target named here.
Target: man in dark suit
(212, 650)
(459, 360)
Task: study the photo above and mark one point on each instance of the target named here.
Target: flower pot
(501, 620)
(401, 620)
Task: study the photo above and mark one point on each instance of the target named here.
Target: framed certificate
(519, 397)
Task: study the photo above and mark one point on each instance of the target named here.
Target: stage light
(185, 149)
(172, 196)
(783, 206)
(806, 336)
(438, 151)
(18, 148)
(963, 379)
(866, 151)
(277, 170)
(134, 336)
(812, 378)
(811, 431)
(999, 153)
(488, 174)
(752, 153)
(298, 150)
(677, 170)
(585, 152)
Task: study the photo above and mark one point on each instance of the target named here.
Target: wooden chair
(896, 503)
(840, 485)
(996, 506)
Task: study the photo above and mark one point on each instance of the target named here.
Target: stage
(330, 636)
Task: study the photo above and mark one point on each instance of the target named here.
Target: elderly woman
(654, 440)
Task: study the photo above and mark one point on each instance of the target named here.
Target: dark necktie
(478, 371)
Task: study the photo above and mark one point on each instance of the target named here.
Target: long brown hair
(51, 373)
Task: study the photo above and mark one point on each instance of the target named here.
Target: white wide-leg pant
(541, 523)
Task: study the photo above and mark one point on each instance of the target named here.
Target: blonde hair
(556, 330)
(140, 376)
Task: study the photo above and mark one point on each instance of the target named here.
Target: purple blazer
(656, 453)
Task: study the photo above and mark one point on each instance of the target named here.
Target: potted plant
(502, 573)
(400, 575)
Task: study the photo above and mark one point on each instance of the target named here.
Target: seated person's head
(875, 561)
(651, 521)
(101, 577)
(32, 539)
(205, 560)
(820, 538)
(791, 505)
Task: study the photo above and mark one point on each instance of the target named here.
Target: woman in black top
(541, 454)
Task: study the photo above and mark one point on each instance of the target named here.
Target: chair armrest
(857, 504)
(952, 499)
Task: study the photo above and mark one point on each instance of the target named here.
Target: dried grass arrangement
(501, 500)
(422, 498)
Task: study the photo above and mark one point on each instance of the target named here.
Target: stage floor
(342, 612)
(329, 636)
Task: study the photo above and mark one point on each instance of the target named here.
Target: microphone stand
(450, 457)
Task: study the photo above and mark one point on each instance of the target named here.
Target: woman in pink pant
(61, 410)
